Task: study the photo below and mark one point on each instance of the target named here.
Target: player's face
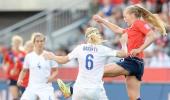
(39, 43)
(29, 47)
(16, 43)
(127, 17)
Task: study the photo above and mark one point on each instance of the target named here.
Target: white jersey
(39, 69)
(91, 60)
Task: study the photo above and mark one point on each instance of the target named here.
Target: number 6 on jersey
(89, 62)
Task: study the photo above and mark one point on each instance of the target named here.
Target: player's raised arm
(123, 52)
(110, 25)
(58, 59)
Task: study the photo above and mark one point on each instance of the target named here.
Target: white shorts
(46, 93)
(89, 94)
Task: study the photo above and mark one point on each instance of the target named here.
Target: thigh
(28, 95)
(46, 94)
(112, 70)
(133, 87)
(13, 88)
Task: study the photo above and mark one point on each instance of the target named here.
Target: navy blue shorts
(133, 65)
(13, 82)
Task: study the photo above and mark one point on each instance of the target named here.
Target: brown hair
(93, 36)
(141, 12)
(35, 35)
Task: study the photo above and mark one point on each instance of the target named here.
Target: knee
(132, 97)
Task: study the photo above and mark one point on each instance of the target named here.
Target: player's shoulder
(139, 22)
(29, 54)
(80, 46)
(104, 48)
(101, 46)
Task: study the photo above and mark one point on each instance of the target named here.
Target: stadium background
(64, 21)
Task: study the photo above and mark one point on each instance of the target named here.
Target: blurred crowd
(157, 55)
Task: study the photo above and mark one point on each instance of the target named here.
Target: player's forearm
(148, 40)
(112, 26)
(54, 74)
(61, 59)
(121, 54)
(22, 74)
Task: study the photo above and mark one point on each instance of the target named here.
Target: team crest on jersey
(39, 66)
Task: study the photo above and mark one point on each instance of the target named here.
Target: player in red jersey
(14, 61)
(140, 35)
(28, 48)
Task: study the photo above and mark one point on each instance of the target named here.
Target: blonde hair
(28, 43)
(35, 35)
(141, 12)
(17, 38)
(93, 36)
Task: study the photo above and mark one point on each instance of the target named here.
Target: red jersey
(136, 35)
(15, 61)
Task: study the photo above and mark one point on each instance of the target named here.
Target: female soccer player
(28, 47)
(91, 58)
(140, 36)
(40, 76)
(14, 62)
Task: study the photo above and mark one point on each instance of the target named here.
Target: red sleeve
(142, 26)
(6, 58)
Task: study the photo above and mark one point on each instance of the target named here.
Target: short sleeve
(26, 64)
(109, 52)
(74, 53)
(142, 26)
(53, 64)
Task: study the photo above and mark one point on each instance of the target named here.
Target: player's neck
(133, 20)
(15, 49)
(38, 51)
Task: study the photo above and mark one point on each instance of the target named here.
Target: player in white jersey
(91, 58)
(40, 76)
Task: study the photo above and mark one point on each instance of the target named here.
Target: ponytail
(148, 17)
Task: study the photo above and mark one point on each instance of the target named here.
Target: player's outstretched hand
(50, 79)
(49, 55)
(134, 52)
(97, 18)
(19, 82)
